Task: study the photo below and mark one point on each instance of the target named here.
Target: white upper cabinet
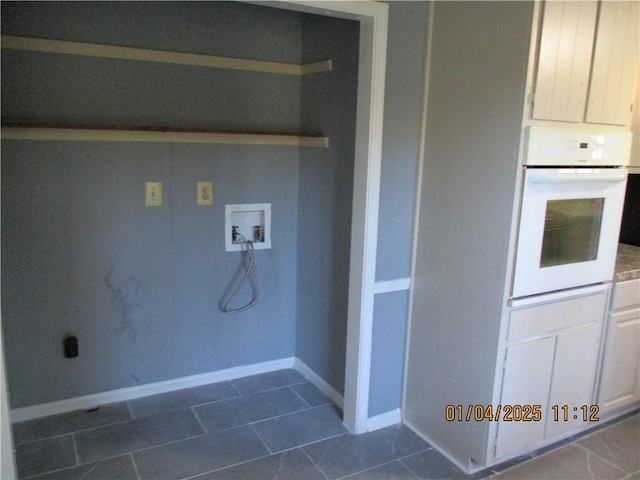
(615, 62)
(587, 62)
(564, 58)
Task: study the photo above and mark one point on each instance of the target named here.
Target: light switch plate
(153, 194)
(205, 193)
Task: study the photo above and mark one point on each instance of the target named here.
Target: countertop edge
(627, 263)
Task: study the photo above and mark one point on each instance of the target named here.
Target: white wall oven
(571, 209)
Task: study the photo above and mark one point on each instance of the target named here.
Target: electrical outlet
(205, 193)
(153, 194)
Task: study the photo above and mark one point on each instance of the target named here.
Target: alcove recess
(120, 133)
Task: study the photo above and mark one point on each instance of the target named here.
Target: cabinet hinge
(530, 98)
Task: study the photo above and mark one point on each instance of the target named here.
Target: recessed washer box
(250, 220)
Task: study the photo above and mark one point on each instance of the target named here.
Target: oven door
(569, 228)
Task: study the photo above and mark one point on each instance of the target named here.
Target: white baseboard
(129, 393)
(383, 420)
(319, 382)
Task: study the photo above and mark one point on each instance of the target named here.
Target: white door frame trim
(373, 18)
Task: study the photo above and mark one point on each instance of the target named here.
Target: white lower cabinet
(574, 376)
(527, 376)
(620, 375)
(550, 366)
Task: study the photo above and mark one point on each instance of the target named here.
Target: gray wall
(325, 201)
(400, 149)
(140, 287)
(475, 106)
(404, 91)
(97, 90)
(325, 198)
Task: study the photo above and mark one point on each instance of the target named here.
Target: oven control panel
(548, 146)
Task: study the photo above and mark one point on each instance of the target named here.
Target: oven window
(571, 231)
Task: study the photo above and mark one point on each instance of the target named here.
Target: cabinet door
(620, 378)
(574, 375)
(564, 58)
(615, 63)
(527, 377)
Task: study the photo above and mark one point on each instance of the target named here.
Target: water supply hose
(250, 270)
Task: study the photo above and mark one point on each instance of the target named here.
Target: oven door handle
(577, 177)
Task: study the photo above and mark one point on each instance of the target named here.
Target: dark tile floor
(274, 426)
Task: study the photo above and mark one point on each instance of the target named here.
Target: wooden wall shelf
(161, 56)
(152, 134)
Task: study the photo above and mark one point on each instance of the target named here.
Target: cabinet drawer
(626, 294)
(553, 317)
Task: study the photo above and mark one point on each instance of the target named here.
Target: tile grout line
(204, 404)
(251, 425)
(269, 389)
(314, 463)
(272, 454)
(133, 452)
(401, 459)
(603, 459)
(48, 472)
(294, 412)
(378, 466)
(255, 432)
(141, 449)
(195, 414)
(286, 384)
(311, 443)
(299, 396)
(504, 466)
(73, 432)
(131, 414)
(538, 457)
(209, 432)
(575, 441)
(301, 447)
(524, 462)
(135, 466)
(75, 448)
(59, 435)
(555, 450)
(234, 387)
(225, 467)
